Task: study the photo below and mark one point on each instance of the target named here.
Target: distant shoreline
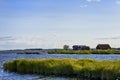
(61, 51)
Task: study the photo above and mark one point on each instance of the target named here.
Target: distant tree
(66, 47)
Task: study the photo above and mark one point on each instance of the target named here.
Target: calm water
(13, 76)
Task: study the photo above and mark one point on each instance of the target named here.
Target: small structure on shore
(103, 47)
(81, 47)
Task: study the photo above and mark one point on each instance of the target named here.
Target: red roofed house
(103, 47)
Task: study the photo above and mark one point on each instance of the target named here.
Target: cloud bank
(32, 41)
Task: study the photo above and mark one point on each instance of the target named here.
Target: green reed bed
(83, 68)
(83, 51)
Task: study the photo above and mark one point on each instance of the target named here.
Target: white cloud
(83, 6)
(118, 2)
(93, 0)
(28, 41)
(21, 42)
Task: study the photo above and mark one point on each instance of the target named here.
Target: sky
(54, 23)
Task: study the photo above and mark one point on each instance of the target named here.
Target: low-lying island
(82, 68)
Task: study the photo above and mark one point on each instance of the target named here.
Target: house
(103, 47)
(81, 47)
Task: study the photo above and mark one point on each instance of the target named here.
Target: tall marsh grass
(83, 68)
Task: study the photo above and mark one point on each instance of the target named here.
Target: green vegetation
(83, 51)
(83, 68)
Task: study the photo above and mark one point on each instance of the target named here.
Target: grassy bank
(84, 52)
(84, 68)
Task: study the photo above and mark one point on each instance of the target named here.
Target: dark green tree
(66, 47)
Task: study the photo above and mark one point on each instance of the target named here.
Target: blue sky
(53, 23)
